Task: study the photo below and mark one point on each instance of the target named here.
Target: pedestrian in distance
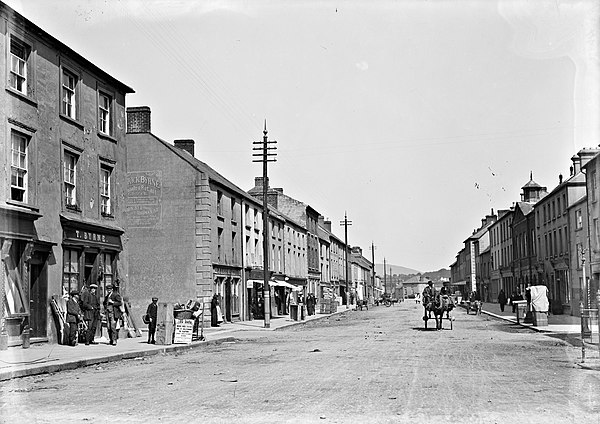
(152, 313)
(502, 299)
(74, 317)
(112, 308)
(214, 303)
(90, 305)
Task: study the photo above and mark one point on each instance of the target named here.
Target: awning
(281, 283)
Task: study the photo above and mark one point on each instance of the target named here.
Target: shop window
(70, 179)
(106, 270)
(104, 113)
(70, 270)
(105, 191)
(18, 170)
(19, 57)
(69, 94)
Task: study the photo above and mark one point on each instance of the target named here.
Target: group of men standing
(83, 313)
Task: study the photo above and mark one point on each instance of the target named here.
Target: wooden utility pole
(384, 277)
(346, 223)
(266, 156)
(373, 273)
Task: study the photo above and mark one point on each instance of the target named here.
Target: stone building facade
(186, 224)
(63, 177)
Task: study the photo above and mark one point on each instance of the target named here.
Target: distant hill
(396, 269)
(408, 272)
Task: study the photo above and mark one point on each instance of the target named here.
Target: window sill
(73, 208)
(71, 121)
(106, 137)
(22, 96)
(107, 215)
(22, 205)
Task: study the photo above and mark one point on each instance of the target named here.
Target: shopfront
(24, 285)
(227, 286)
(89, 251)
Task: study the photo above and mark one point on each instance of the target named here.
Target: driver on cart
(428, 296)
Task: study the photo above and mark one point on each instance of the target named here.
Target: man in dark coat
(112, 305)
(90, 304)
(152, 313)
(428, 296)
(74, 317)
(502, 299)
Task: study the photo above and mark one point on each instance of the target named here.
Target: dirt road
(362, 366)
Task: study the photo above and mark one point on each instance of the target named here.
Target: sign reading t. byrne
(144, 196)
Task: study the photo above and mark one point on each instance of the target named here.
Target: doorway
(38, 305)
(227, 300)
(89, 269)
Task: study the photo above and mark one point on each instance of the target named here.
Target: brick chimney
(138, 119)
(258, 182)
(187, 145)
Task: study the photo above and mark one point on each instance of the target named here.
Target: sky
(414, 118)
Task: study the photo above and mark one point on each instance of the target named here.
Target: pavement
(42, 358)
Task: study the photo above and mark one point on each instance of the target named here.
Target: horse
(360, 303)
(439, 304)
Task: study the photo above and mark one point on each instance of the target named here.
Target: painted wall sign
(144, 198)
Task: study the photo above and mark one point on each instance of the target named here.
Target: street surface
(374, 366)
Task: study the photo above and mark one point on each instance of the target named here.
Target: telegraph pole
(384, 277)
(373, 274)
(267, 155)
(346, 223)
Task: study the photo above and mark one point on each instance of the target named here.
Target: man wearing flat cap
(90, 303)
(74, 316)
(152, 313)
(112, 304)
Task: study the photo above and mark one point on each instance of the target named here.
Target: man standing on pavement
(112, 308)
(152, 313)
(90, 303)
(74, 316)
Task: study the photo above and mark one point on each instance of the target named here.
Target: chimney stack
(185, 144)
(576, 164)
(138, 119)
(258, 182)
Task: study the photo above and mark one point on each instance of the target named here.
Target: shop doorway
(89, 273)
(38, 293)
(227, 300)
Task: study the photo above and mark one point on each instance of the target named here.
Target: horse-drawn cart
(441, 306)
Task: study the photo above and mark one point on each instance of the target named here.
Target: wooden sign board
(184, 329)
